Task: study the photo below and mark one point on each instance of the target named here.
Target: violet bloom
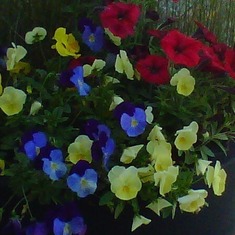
(94, 39)
(68, 221)
(134, 125)
(13, 227)
(82, 179)
(33, 142)
(37, 229)
(54, 166)
(103, 145)
(132, 119)
(78, 81)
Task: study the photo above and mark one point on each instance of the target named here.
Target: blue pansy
(36, 141)
(54, 166)
(93, 38)
(135, 124)
(74, 226)
(83, 185)
(78, 81)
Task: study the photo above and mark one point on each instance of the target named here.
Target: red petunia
(230, 62)
(81, 61)
(204, 33)
(120, 18)
(181, 49)
(154, 69)
(210, 61)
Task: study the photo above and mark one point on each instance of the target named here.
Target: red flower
(210, 61)
(154, 69)
(181, 49)
(204, 33)
(81, 61)
(230, 62)
(157, 33)
(120, 18)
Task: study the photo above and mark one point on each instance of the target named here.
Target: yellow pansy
(158, 205)
(156, 134)
(125, 182)
(216, 177)
(139, 220)
(184, 81)
(36, 35)
(12, 100)
(80, 149)
(149, 114)
(202, 166)
(97, 65)
(194, 201)
(115, 39)
(186, 137)
(2, 166)
(14, 55)
(66, 44)
(130, 153)
(35, 107)
(160, 152)
(116, 101)
(21, 66)
(166, 179)
(123, 65)
(146, 173)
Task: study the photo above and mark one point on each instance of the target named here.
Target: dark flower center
(153, 69)
(121, 15)
(179, 48)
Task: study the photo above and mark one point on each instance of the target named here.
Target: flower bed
(117, 108)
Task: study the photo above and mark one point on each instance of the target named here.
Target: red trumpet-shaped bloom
(120, 18)
(154, 69)
(181, 49)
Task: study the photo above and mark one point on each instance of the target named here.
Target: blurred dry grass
(217, 15)
(19, 16)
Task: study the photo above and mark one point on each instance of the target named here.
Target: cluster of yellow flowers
(127, 182)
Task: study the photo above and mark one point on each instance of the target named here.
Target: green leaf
(221, 146)
(221, 136)
(118, 210)
(1, 212)
(106, 199)
(206, 151)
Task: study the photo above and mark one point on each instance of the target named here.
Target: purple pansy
(65, 78)
(82, 179)
(37, 229)
(131, 118)
(13, 227)
(54, 166)
(78, 81)
(66, 220)
(74, 226)
(32, 143)
(103, 145)
(135, 124)
(93, 38)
